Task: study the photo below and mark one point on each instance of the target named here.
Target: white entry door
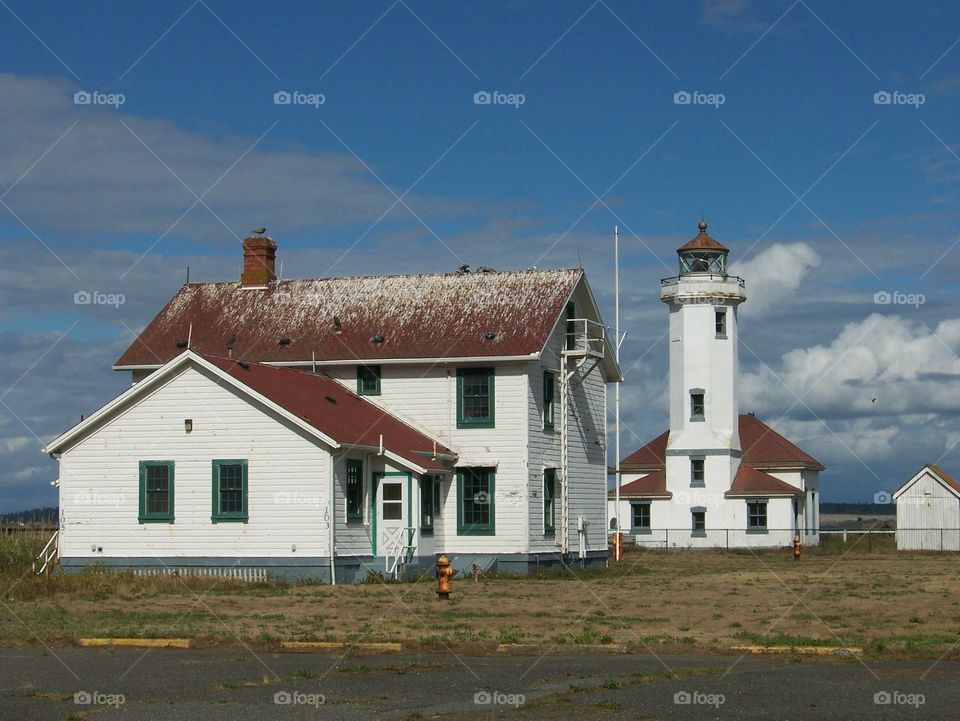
(391, 510)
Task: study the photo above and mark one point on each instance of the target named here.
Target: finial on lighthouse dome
(702, 225)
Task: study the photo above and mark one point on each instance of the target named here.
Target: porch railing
(399, 546)
(49, 555)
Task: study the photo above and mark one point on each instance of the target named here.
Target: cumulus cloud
(774, 275)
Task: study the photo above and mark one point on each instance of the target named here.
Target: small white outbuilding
(928, 511)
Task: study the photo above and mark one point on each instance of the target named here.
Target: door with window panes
(391, 511)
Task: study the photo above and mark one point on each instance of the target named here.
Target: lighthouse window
(698, 516)
(720, 321)
(697, 472)
(697, 405)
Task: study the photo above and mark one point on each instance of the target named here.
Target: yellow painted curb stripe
(339, 645)
(816, 650)
(139, 642)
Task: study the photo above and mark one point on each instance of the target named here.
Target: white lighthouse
(714, 478)
(703, 447)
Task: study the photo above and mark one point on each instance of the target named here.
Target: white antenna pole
(616, 323)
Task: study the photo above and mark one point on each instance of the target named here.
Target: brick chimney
(259, 261)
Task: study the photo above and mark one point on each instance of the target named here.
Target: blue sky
(826, 196)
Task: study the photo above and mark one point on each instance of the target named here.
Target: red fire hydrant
(796, 548)
(444, 573)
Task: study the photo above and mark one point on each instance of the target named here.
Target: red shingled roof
(333, 410)
(419, 316)
(752, 482)
(762, 448)
(653, 485)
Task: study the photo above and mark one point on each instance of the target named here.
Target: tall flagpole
(616, 323)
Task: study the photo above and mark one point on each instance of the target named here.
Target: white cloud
(101, 179)
(774, 275)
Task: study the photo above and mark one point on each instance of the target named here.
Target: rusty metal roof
(367, 318)
(702, 241)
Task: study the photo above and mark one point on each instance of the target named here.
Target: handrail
(710, 276)
(401, 547)
(49, 555)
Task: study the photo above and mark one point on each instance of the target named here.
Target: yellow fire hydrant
(444, 573)
(796, 548)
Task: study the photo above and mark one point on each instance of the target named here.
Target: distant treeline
(859, 509)
(35, 516)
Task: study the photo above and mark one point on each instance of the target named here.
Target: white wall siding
(287, 488)
(925, 507)
(425, 397)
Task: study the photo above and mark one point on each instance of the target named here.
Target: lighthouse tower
(703, 447)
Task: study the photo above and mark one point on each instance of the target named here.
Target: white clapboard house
(328, 428)
(928, 511)
(715, 478)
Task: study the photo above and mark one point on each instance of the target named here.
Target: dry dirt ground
(892, 604)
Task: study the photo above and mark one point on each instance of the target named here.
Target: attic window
(284, 341)
(489, 335)
(377, 339)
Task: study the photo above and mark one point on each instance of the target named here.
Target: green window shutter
(548, 399)
(156, 492)
(368, 380)
(229, 491)
(354, 491)
(549, 500)
(426, 504)
(476, 398)
(476, 491)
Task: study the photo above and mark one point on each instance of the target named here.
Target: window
(156, 492)
(354, 490)
(475, 398)
(229, 491)
(548, 386)
(699, 518)
(392, 503)
(697, 472)
(697, 404)
(549, 500)
(426, 504)
(720, 321)
(368, 380)
(757, 516)
(475, 494)
(437, 488)
(571, 326)
(640, 517)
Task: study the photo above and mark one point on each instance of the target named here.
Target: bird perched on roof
(485, 269)
(337, 324)
(463, 269)
(259, 231)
